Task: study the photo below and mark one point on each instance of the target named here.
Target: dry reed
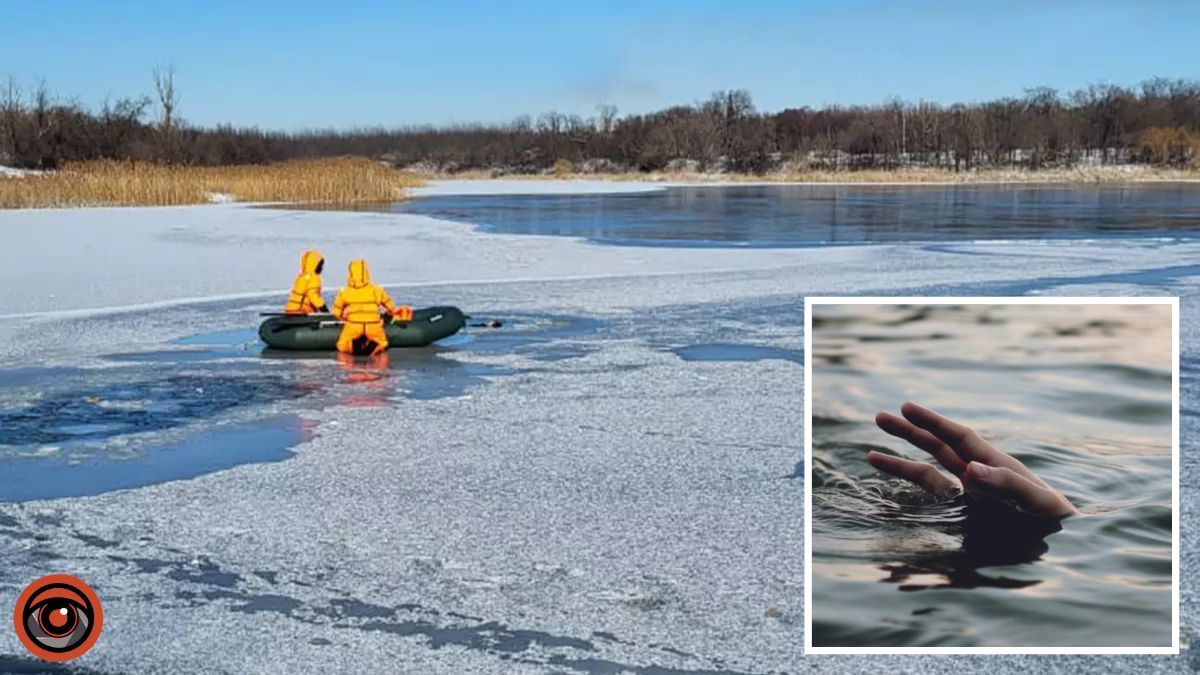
(109, 183)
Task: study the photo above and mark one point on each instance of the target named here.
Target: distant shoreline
(350, 181)
(1103, 175)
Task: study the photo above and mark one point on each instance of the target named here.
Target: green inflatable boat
(319, 332)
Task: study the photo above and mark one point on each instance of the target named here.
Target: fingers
(902, 428)
(924, 475)
(1005, 484)
(964, 441)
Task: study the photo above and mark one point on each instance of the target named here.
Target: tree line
(1156, 122)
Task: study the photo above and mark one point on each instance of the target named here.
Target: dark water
(1081, 394)
(782, 215)
(40, 477)
(206, 402)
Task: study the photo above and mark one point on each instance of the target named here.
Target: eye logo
(58, 617)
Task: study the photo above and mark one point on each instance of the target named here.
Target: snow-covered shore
(518, 186)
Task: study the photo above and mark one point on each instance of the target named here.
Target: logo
(58, 617)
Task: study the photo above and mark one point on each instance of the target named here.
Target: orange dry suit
(305, 297)
(358, 305)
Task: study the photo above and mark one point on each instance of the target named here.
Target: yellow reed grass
(108, 183)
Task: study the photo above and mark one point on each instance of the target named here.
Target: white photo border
(809, 302)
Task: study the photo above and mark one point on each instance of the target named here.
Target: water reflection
(367, 377)
(991, 536)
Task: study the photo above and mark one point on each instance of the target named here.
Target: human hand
(978, 467)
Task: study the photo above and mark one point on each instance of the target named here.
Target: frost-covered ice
(605, 506)
(64, 261)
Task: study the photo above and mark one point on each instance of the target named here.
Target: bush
(563, 167)
(1174, 146)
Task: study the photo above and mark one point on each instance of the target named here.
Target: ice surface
(517, 186)
(592, 503)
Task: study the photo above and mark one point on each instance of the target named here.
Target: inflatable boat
(319, 332)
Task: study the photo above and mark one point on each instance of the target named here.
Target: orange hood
(358, 276)
(309, 261)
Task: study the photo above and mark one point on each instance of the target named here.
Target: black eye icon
(58, 617)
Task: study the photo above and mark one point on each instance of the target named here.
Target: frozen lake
(810, 215)
(610, 483)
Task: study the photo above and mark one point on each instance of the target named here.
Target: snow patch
(516, 186)
(9, 172)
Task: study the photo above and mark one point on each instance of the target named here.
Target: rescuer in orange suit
(305, 297)
(358, 305)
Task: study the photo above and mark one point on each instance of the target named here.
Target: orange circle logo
(58, 617)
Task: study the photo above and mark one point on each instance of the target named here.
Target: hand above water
(976, 466)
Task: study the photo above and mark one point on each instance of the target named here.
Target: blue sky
(301, 64)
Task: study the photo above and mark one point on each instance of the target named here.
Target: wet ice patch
(462, 377)
(225, 338)
(458, 340)
(217, 345)
(531, 334)
(30, 478)
(562, 353)
(94, 429)
(175, 356)
(718, 351)
(28, 375)
(109, 408)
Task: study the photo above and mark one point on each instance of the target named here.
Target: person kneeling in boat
(305, 297)
(358, 305)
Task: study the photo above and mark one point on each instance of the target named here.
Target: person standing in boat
(358, 305)
(305, 297)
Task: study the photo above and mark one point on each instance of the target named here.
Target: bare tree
(41, 109)
(606, 114)
(168, 101)
(11, 115)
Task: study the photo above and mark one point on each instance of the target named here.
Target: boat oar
(320, 324)
(331, 321)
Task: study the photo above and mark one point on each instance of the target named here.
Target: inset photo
(995, 475)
